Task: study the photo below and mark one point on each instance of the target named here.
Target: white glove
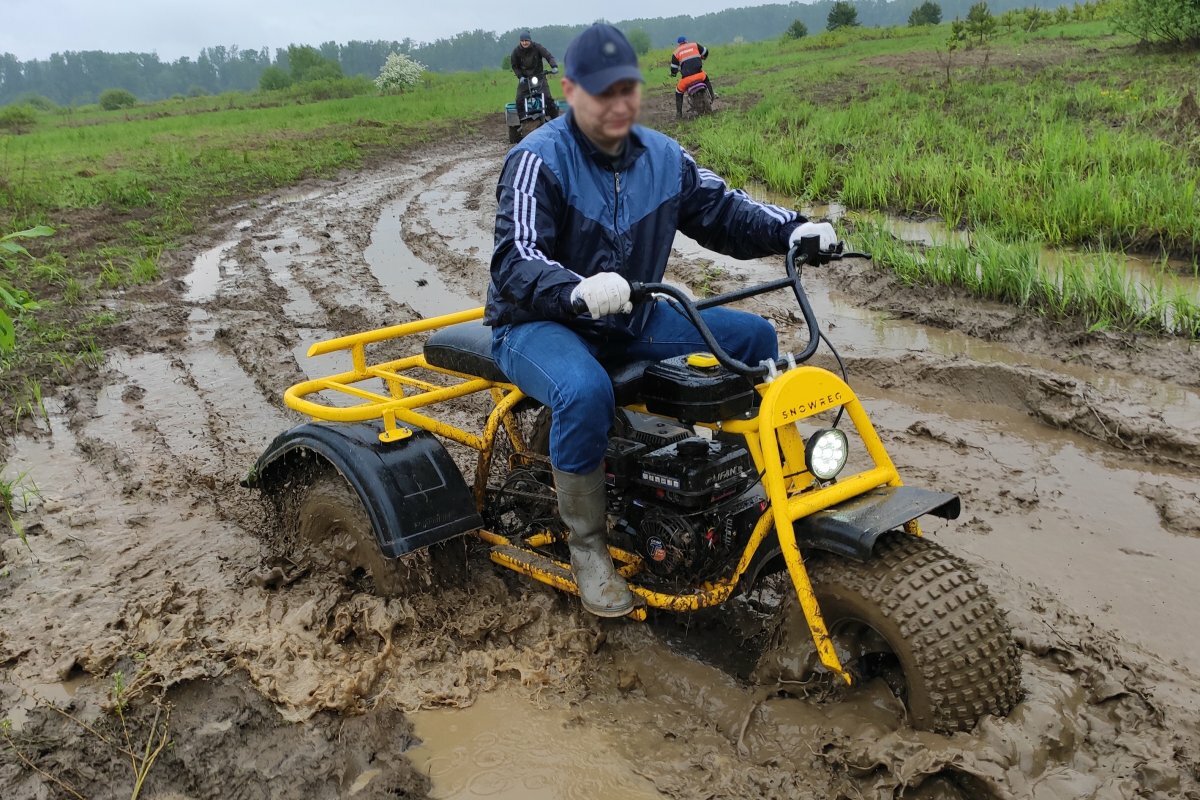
(603, 293)
(829, 237)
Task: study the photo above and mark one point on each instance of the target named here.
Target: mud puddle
(145, 557)
(508, 748)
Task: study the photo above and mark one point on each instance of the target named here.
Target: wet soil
(1076, 456)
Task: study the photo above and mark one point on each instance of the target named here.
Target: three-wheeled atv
(720, 474)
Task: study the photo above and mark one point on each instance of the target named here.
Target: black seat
(467, 348)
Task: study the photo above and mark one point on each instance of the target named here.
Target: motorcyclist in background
(526, 62)
(688, 61)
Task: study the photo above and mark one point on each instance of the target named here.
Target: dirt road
(1076, 457)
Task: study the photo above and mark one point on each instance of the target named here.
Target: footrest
(545, 569)
(535, 565)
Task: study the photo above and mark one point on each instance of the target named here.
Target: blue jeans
(554, 365)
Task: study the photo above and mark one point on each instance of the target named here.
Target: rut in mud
(1076, 458)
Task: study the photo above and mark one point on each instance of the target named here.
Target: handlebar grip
(637, 293)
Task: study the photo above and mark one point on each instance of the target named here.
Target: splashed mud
(1075, 456)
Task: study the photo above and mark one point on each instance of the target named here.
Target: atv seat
(467, 348)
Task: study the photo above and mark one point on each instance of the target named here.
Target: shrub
(14, 301)
(330, 89)
(325, 71)
(928, 13)
(307, 64)
(273, 79)
(17, 119)
(112, 99)
(639, 40)
(1035, 19)
(1171, 22)
(797, 30)
(35, 101)
(399, 73)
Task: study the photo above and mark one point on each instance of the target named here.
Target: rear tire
(330, 531)
(701, 104)
(918, 617)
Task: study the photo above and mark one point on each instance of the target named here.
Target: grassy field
(1065, 137)
(120, 187)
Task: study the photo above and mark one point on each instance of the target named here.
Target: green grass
(1093, 288)
(1067, 137)
(122, 187)
(15, 497)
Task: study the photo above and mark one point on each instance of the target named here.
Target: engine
(685, 503)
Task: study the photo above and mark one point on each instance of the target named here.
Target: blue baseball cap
(599, 57)
(681, 40)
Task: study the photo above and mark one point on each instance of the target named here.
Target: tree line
(78, 77)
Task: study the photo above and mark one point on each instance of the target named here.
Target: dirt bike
(535, 107)
(722, 476)
(698, 99)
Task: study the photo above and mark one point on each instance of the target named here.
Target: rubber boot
(678, 106)
(581, 505)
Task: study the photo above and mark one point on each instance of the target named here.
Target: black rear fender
(412, 491)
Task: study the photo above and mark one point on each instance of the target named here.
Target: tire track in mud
(149, 559)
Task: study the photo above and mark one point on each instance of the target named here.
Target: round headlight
(825, 453)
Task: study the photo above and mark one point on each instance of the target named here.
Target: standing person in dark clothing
(526, 61)
(688, 61)
(584, 205)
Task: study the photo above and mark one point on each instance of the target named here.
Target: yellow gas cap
(702, 360)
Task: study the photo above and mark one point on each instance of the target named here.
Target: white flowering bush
(399, 73)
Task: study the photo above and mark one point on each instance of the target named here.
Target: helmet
(681, 40)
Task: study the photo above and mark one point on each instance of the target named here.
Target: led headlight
(825, 453)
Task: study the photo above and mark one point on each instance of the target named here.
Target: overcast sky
(32, 29)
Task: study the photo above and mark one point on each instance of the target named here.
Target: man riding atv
(688, 62)
(526, 62)
(586, 204)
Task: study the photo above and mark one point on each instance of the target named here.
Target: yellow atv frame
(844, 516)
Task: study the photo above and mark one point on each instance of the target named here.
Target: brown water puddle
(507, 748)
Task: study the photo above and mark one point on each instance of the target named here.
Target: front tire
(918, 617)
(514, 134)
(331, 531)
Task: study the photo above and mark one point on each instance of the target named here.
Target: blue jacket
(566, 211)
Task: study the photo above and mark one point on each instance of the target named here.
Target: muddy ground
(1076, 456)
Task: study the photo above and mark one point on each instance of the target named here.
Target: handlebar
(806, 251)
(543, 74)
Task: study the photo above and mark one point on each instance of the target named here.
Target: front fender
(851, 528)
(412, 491)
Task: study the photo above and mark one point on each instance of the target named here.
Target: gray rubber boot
(581, 505)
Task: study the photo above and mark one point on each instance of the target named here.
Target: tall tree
(928, 13)
(843, 14)
(980, 22)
